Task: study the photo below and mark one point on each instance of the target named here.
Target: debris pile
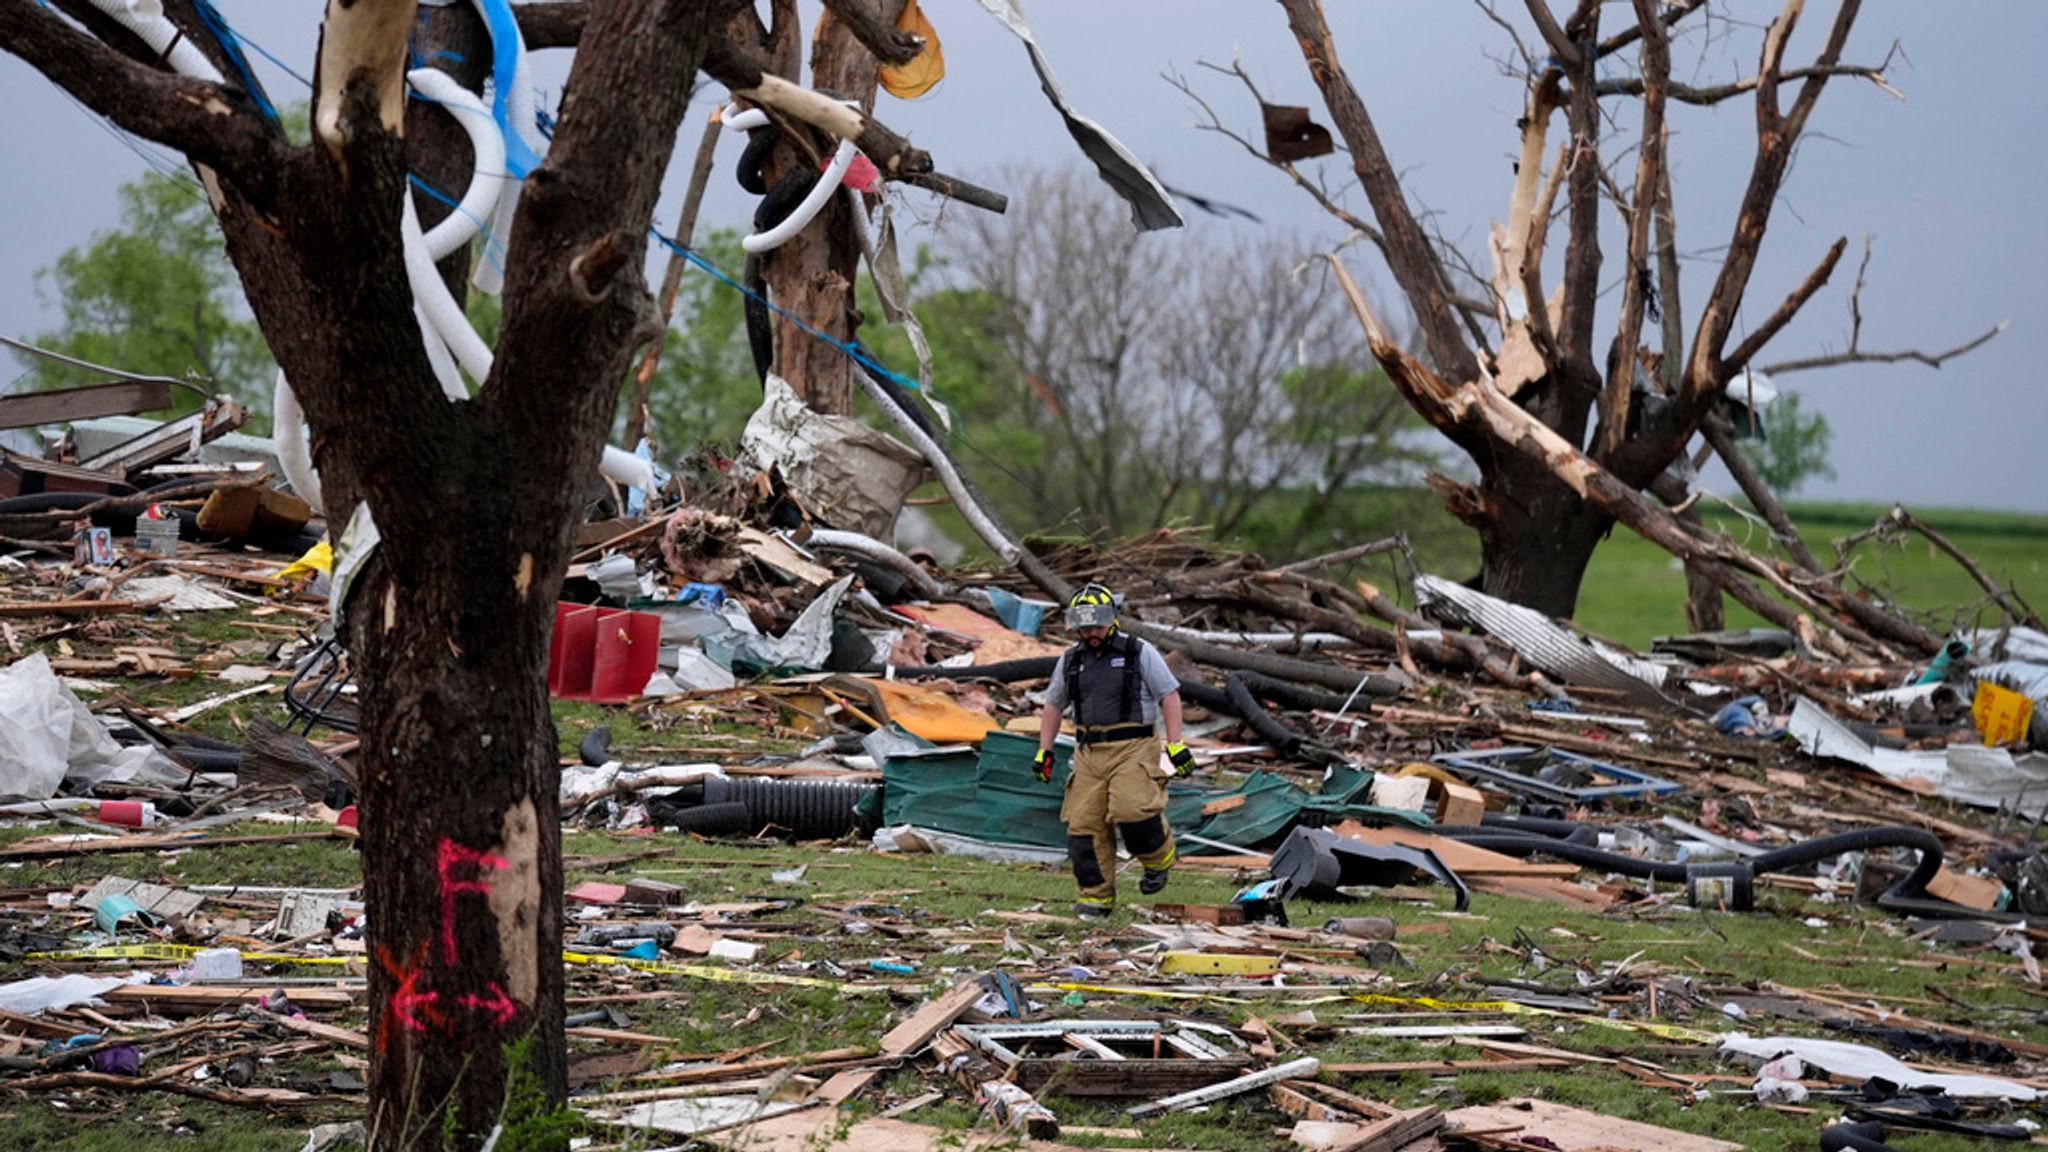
(1374, 811)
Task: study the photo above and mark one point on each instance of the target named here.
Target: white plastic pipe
(737, 120)
(288, 433)
(623, 468)
(820, 195)
(486, 143)
(146, 19)
(433, 298)
(860, 544)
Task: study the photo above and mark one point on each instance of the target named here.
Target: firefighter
(1119, 687)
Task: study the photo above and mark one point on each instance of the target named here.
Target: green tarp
(993, 795)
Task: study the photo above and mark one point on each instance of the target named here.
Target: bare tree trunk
(813, 275)
(1536, 537)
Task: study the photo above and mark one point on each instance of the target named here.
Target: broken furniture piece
(1553, 774)
(1109, 1058)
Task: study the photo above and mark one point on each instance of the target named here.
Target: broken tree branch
(1787, 309)
(2006, 597)
(748, 77)
(1622, 361)
(890, 44)
(214, 126)
(1719, 434)
(1481, 406)
(1777, 133)
(1414, 264)
(1857, 356)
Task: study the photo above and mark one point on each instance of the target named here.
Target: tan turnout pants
(1115, 786)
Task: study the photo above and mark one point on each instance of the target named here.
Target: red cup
(126, 813)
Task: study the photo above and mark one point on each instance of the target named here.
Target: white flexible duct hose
(862, 545)
(802, 214)
(288, 433)
(736, 120)
(146, 19)
(485, 142)
(963, 500)
(430, 293)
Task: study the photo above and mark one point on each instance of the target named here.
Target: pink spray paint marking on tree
(455, 857)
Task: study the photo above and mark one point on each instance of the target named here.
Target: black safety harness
(1127, 726)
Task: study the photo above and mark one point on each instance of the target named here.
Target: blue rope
(282, 66)
(230, 46)
(851, 348)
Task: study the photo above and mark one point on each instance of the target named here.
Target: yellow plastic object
(319, 558)
(909, 81)
(1217, 964)
(1434, 772)
(924, 712)
(2002, 715)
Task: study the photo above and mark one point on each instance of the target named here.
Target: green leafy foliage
(156, 296)
(705, 386)
(1794, 447)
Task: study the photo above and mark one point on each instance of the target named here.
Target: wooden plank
(1392, 1132)
(821, 1128)
(1575, 1129)
(1543, 888)
(47, 850)
(906, 1038)
(76, 607)
(59, 405)
(346, 1037)
(1443, 1067)
(931, 1019)
(170, 997)
(1306, 1066)
(1533, 1051)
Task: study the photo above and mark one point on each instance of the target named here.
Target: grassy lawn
(946, 918)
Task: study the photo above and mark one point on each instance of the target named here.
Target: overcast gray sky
(1948, 182)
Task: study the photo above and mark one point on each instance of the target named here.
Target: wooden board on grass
(1575, 1129)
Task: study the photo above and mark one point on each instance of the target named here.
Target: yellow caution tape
(721, 975)
(1509, 1007)
(181, 952)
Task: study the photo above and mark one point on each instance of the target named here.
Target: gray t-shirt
(1155, 682)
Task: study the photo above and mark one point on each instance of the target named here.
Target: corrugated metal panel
(1554, 649)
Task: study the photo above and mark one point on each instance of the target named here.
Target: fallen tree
(1566, 434)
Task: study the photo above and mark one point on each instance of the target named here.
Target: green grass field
(1634, 590)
